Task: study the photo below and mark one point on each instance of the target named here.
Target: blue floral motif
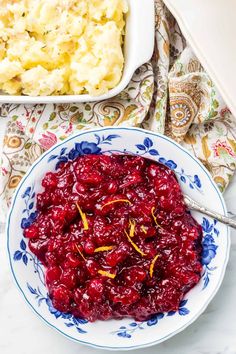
(169, 163)
(147, 147)
(52, 310)
(23, 255)
(106, 139)
(197, 181)
(61, 157)
(209, 248)
(154, 319)
(182, 311)
(127, 332)
(26, 222)
(83, 148)
(71, 321)
(28, 197)
(26, 193)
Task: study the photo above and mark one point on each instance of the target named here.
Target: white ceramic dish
(214, 45)
(126, 334)
(138, 49)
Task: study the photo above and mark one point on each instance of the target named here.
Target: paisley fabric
(172, 94)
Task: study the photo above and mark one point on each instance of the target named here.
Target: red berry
(49, 181)
(61, 298)
(124, 295)
(132, 209)
(31, 232)
(53, 275)
(89, 247)
(69, 278)
(95, 289)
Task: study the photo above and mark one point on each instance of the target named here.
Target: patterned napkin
(172, 94)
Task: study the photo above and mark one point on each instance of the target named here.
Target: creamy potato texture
(61, 46)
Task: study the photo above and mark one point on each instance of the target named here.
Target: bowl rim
(156, 135)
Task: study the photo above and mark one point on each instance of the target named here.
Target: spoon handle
(191, 204)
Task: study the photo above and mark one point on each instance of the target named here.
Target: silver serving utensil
(191, 204)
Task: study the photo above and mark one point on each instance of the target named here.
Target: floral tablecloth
(172, 94)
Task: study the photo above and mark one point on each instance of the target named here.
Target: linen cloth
(172, 94)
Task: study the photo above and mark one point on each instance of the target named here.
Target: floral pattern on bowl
(194, 180)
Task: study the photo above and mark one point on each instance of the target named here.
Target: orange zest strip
(83, 217)
(104, 248)
(117, 201)
(132, 228)
(106, 274)
(153, 265)
(154, 217)
(134, 245)
(144, 229)
(81, 254)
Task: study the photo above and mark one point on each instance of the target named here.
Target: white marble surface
(214, 332)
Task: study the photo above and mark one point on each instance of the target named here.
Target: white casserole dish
(138, 49)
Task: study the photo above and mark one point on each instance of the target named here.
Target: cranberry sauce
(116, 238)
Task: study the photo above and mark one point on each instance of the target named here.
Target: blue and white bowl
(125, 334)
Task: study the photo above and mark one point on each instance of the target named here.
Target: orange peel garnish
(83, 217)
(154, 217)
(132, 227)
(151, 270)
(104, 249)
(81, 254)
(117, 201)
(144, 229)
(106, 274)
(134, 245)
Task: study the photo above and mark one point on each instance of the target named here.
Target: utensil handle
(195, 206)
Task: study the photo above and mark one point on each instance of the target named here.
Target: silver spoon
(191, 204)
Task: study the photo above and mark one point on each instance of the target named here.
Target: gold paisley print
(13, 142)
(182, 112)
(14, 181)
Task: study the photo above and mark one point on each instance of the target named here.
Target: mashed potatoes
(61, 46)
